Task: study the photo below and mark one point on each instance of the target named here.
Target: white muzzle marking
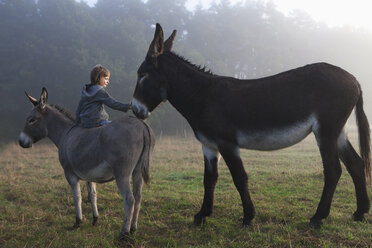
(24, 140)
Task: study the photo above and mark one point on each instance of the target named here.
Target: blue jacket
(90, 111)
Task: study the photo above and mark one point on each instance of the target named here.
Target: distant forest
(55, 43)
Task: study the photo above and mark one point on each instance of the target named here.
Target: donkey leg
(92, 195)
(332, 172)
(75, 186)
(137, 192)
(354, 166)
(211, 158)
(123, 185)
(232, 158)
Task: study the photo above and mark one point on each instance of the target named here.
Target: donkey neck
(58, 125)
(187, 85)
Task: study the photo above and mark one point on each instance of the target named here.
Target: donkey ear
(43, 98)
(168, 44)
(32, 100)
(157, 45)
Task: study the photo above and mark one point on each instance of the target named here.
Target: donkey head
(35, 128)
(151, 88)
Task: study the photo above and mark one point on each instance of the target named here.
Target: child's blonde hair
(97, 72)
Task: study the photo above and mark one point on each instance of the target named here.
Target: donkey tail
(148, 147)
(364, 136)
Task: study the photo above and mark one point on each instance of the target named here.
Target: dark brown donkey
(262, 114)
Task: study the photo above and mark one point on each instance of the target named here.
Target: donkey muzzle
(24, 140)
(139, 109)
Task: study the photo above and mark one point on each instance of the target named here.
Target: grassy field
(37, 210)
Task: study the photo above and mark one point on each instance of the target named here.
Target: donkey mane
(63, 111)
(199, 68)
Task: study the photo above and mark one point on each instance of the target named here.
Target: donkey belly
(275, 138)
(99, 173)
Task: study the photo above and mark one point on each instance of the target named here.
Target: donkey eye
(31, 121)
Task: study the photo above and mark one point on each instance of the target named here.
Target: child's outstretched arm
(112, 103)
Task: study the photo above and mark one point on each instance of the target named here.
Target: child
(90, 111)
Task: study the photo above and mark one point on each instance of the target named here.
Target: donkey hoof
(95, 219)
(315, 223)
(124, 236)
(77, 223)
(359, 217)
(246, 223)
(76, 226)
(199, 219)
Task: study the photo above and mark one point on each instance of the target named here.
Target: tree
(55, 43)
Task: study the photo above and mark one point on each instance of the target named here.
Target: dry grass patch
(36, 205)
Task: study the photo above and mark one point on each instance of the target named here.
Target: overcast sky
(356, 13)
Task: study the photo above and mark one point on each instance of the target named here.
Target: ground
(37, 210)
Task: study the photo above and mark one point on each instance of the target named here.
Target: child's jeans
(104, 123)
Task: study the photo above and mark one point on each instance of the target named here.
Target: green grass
(37, 210)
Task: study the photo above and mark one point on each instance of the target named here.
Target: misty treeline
(55, 43)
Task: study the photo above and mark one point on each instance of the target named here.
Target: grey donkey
(117, 151)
